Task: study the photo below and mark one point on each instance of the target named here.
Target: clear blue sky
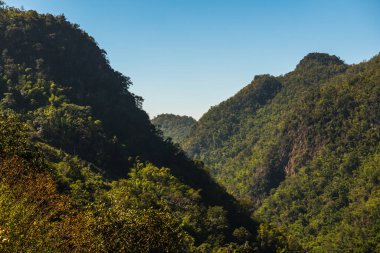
(186, 55)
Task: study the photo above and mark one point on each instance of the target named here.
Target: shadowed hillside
(130, 190)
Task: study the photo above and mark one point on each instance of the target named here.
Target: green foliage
(174, 127)
(72, 128)
(14, 140)
(61, 84)
(242, 234)
(238, 140)
(70, 132)
(150, 211)
(300, 150)
(34, 216)
(129, 230)
(151, 187)
(341, 122)
(296, 159)
(75, 177)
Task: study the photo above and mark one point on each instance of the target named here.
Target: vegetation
(82, 168)
(300, 150)
(175, 127)
(73, 180)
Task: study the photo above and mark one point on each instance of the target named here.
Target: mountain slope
(97, 141)
(237, 138)
(174, 126)
(332, 187)
(296, 149)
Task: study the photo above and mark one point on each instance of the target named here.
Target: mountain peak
(315, 59)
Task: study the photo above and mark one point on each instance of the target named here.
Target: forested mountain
(82, 168)
(302, 152)
(174, 126)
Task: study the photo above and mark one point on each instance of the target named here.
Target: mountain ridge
(256, 149)
(287, 164)
(98, 145)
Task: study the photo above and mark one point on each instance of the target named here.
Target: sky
(185, 56)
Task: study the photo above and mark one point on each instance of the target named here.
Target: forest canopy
(297, 149)
(82, 167)
(288, 164)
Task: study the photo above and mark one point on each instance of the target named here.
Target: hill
(301, 151)
(174, 126)
(83, 169)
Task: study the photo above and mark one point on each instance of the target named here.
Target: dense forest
(82, 167)
(173, 126)
(288, 164)
(301, 151)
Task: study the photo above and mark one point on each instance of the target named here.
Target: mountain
(301, 151)
(82, 167)
(237, 136)
(174, 126)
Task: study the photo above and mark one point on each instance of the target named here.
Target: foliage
(60, 83)
(34, 216)
(296, 159)
(130, 230)
(174, 127)
(82, 169)
(70, 134)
